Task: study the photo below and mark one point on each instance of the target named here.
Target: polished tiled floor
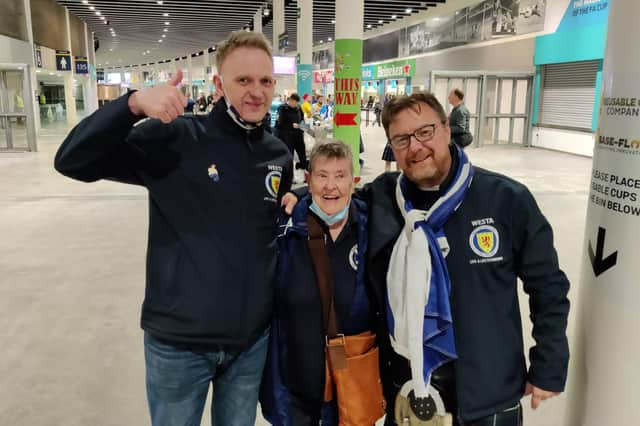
(72, 263)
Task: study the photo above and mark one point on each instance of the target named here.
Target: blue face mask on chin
(329, 219)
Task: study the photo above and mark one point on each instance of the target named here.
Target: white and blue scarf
(418, 283)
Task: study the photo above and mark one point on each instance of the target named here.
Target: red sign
(342, 119)
(323, 77)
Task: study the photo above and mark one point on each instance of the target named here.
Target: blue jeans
(178, 382)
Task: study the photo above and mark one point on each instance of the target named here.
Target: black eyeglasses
(423, 134)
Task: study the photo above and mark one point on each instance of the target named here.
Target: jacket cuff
(300, 192)
(551, 384)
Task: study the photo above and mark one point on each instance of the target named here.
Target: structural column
(31, 74)
(123, 89)
(90, 85)
(208, 72)
(69, 84)
(348, 75)
(305, 46)
(278, 22)
(605, 370)
(175, 67)
(257, 21)
(190, 73)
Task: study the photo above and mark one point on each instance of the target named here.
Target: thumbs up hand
(164, 102)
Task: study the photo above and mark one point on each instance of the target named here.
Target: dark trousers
(443, 379)
(295, 142)
(307, 413)
(506, 418)
(509, 417)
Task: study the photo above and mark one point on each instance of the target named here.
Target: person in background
(306, 105)
(289, 118)
(377, 109)
(317, 110)
(324, 111)
(266, 123)
(369, 103)
(214, 184)
(293, 391)
(318, 105)
(273, 114)
(458, 118)
(201, 103)
(19, 107)
(211, 99)
(190, 104)
(387, 156)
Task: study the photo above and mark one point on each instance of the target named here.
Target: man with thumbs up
(215, 184)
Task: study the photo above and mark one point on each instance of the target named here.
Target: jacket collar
(219, 117)
(383, 209)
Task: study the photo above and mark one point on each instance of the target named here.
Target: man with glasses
(214, 186)
(447, 244)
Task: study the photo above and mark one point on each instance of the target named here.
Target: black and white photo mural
(487, 20)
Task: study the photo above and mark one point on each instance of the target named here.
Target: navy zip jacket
(214, 191)
(497, 235)
(295, 364)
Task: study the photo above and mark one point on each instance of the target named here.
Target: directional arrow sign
(599, 264)
(343, 119)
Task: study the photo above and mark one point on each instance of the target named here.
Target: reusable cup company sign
(396, 69)
(613, 215)
(614, 198)
(611, 266)
(348, 71)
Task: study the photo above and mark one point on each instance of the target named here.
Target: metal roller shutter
(568, 94)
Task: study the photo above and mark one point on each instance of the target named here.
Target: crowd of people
(203, 104)
(327, 304)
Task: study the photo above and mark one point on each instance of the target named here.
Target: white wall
(14, 51)
(286, 82)
(48, 58)
(554, 13)
(574, 142)
(507, 55)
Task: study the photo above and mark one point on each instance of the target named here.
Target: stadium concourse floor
(72, 258)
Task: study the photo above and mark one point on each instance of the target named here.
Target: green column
(346, 110)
